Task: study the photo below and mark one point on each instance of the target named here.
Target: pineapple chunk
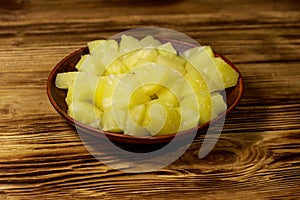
(139, 96)
(209, 50)
(82, 88)
(191, 102)
(194, 78)
(173, 119)
(208, 106)
(130, 59)
(151, 89)
(134, 121)
(142, 61)
(166, 48)
(85, 113)
(229, 76)
(167, 96)
(128, 43)
(189, 118)
(124, 90)
(109, 122)
(153, 73)
(199, 102)
(94, 44)
(161, 119)
(137, 113)
(203, 63)
(218, 104)
(173, 61)
(65, 80)
(106, 52)
(133, 129)
(104, 91)
(149, 41)
(155, 117)
(82, 58)
(92, 64)
(116, 67)
(204, 102)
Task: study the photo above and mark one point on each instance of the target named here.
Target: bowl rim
(119, 137)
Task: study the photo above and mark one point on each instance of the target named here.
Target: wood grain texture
(258, 153)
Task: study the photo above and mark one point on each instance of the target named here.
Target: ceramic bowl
(57, 98)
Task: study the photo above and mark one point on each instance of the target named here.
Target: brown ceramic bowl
(57, 98)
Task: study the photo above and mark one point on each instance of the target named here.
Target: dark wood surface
(258, 153)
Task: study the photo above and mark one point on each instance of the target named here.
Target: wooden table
(258, 153)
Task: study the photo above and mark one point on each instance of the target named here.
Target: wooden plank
(258, 153)
(247, 39)
(254, 163)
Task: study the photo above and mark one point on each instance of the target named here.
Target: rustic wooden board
(256, 157)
